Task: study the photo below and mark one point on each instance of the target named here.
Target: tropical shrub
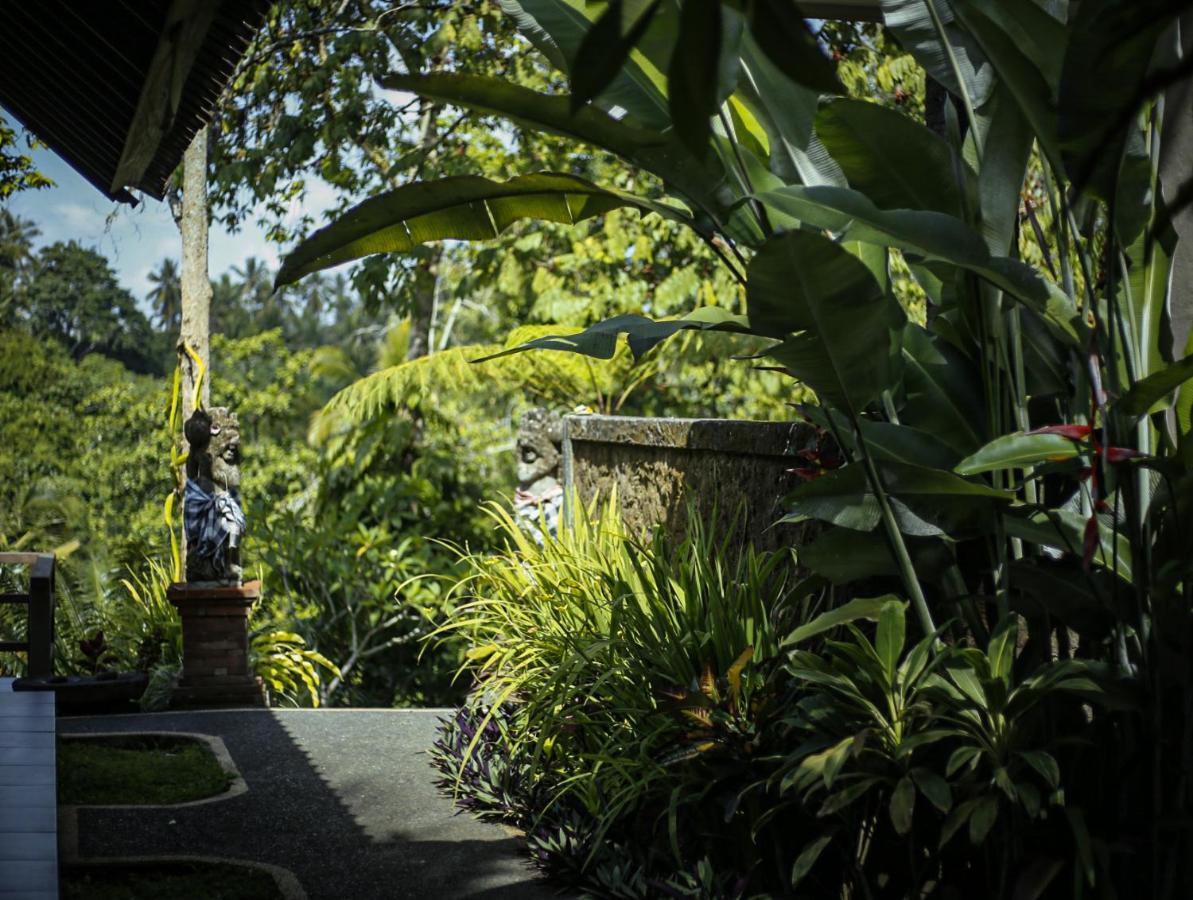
(622, 689)
(1022, 450)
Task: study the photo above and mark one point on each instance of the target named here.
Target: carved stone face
(225, 449)
(539, 437)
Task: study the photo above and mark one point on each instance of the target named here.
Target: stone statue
(211, 512)
(539, 498)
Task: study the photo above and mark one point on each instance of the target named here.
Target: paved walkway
(342, 798)
(28, 805)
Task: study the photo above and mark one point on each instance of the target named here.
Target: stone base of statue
(215, 646)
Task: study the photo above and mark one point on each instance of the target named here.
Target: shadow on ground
(343, 799)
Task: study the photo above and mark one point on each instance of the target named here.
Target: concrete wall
(658, 466)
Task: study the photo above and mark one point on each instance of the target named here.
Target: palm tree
(166, 295)
(16, 255)
(16, 240)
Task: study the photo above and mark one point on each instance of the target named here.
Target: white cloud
(80, 218)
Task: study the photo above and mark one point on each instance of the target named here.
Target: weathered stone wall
(722, 467)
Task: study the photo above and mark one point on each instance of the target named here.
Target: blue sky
(134, 239)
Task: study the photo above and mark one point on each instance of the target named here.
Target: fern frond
(559, 379)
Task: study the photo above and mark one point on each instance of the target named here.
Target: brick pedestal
(215, 646)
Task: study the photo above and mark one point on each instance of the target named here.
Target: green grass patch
(211, 881)
(137, 769)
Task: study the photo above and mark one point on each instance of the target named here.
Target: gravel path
(342, 798)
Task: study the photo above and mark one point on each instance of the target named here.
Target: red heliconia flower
(1089, 543)
(1115, 455)
(1073, 432)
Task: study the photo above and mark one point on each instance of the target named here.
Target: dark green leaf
(1045, 764)
(782, 34)
(704, 71)
(1144, 396)
(982, 820)
(890, 635)
(606, 47)
(893, 160)
(911, 23)
(802, 282)
(639, 87)
(933, 787)
(902, 805)
(942, 389)
(1063, 530)
(600, 340)
(1016, 69)
(858, 608)
(834, 803)
(1107, 35)
(807, 858)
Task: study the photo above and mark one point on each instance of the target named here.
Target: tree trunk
(423, 309)
(196, 284)
(427, 273)
(195, 334)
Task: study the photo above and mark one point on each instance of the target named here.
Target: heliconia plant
(1027, 450)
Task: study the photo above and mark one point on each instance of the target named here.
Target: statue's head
(540, 434)
(214, 439)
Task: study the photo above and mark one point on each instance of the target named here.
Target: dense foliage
(1014, 463)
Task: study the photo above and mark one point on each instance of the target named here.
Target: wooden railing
(39, 645)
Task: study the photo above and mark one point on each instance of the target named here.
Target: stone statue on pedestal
(539, 498)
(211, 513)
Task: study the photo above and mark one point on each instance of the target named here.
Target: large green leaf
(846, 348)
(639, 88)
(1149, 261)
(888, 442)
(705, 73)
(787, 111)
(780, 31)
(843, 556)
(464, 207)
(855, 218)
(600, 340)
(1015, 67)
(1096, 113)
(911, 23)
(1153, 393)
(892, 159)
(942, 390)
(929, 500)
(1063, 530)
(704, 184)
(1005, 153)
(1019, 451)
(606, 47)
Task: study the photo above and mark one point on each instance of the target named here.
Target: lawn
(137, 769)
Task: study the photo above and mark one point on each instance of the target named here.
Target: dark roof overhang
(119, 88)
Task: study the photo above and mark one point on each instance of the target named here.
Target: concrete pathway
(28, 801)
(344, 799)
